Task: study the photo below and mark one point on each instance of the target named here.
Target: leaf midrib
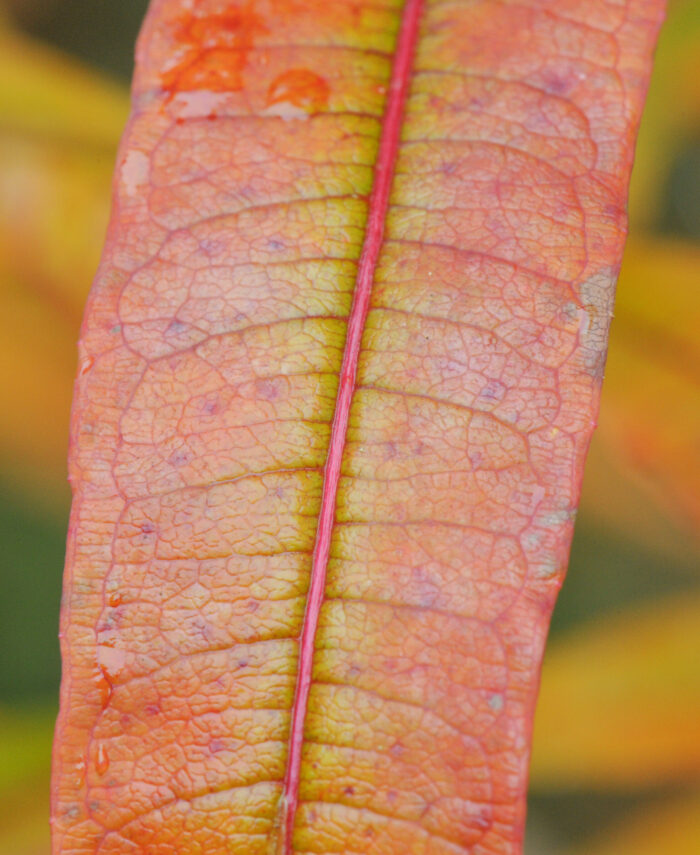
(374, 233)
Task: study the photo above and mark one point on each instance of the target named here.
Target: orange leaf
(338, 375)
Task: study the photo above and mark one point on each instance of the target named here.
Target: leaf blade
(206, 396)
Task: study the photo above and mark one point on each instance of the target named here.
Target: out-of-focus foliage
(672, 828)
(652, 427)
(59, 127)
(669, 141)
(25, 745)
(620, 703)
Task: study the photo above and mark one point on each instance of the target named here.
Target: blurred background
(616, 766)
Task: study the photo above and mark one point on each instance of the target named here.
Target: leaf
(338, 375)
(620, 702)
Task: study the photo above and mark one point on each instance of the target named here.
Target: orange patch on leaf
(216, 50)
(300, 87)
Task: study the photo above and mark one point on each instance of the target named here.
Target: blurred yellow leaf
(650, 415)
(620, 701)
(665, 132)
(59, 128)
(673, 829)
(25, 748)
(29, 833)
(47, 94)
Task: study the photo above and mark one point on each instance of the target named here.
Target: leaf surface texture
(338, 375)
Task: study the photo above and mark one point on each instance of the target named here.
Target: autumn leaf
(339, 372)
(60, 126)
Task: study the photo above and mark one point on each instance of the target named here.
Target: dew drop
(111, 659)
(115, 599)
(85, 365)
(301, 88)
(101, 760)
(104, 688)
(134, 172)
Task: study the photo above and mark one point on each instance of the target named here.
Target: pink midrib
(376, 217)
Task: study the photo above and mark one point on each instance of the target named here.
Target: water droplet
(134, 172)
(101, 760)
(104, 687)
(85, 365)
(115, 599)
(300, 87)
(110, 659)
(199, 104)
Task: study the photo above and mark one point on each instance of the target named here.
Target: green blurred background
(616, 766)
